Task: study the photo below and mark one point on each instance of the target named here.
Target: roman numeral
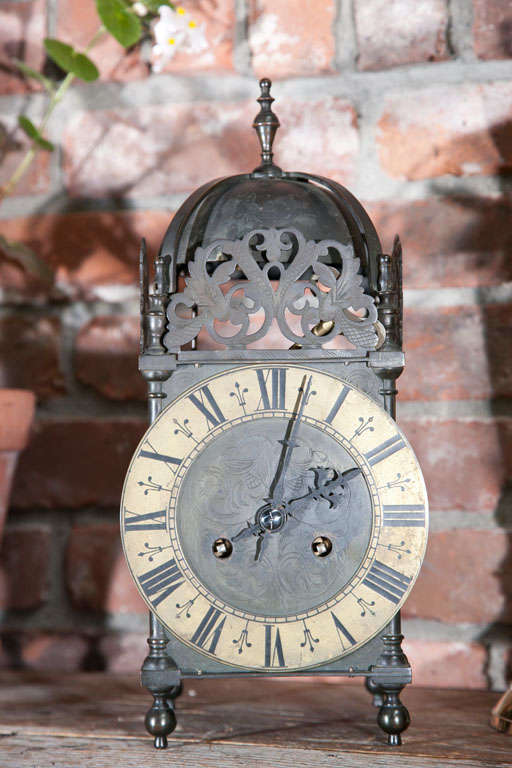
(337, 404)
(387, 582)
(344, 635)
(209, 630)
(273, 647)
(171, 461)
(385, 449)
(213, 417)
(276, 398)
(149, 521)
(407, 515)
(160, 582)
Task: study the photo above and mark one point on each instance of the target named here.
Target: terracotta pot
(16, 416)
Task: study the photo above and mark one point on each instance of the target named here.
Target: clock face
(274, 517)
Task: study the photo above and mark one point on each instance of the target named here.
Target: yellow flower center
(180, 10)
(192, 24)
(171, 41)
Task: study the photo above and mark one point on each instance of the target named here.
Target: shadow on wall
(489, 238)
(89, 251)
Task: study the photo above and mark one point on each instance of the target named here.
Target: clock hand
(325, 489)
(261, 543)
(288, 445)
(254, 530)
(251, 530)
(257, 528)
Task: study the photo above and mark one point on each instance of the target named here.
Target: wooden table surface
(96, 720)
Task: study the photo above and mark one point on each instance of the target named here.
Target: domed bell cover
(280, 249)
(229, 207)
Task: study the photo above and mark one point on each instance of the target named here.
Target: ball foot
(160, 720)
(393, 717)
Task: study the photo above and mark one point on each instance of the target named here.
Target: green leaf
(70, 60)
(84, 68)
(29, 128)
(120, 21)
(27, 258)
(29, 72)
(61, 53)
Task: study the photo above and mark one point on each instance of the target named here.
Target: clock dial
(274, 517)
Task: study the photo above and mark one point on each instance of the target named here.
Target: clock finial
(266, 124)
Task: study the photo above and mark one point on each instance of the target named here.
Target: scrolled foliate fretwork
(273, 274)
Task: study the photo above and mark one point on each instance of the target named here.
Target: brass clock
(274, 516)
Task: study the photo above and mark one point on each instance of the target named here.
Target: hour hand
(329, 486)
(252, 529)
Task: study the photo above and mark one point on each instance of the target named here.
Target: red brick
(25, 559)
(325, 132)
(29, 354)
(462, 130)
(45, 651)
(446, 664)
(106, 357)
(77, 24)
(457, 353)
(175, 148)
(218, 19)
(492, 22)
(97, 577)
(76, 463)
(466, 464)
(280, 48)
(462, 241)
(16, 416)
(124, 653)
(91, 253)
(466, 578)
(15, 144)
(393, 32)
(22, 29)
(172, 148)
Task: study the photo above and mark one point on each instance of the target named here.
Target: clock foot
(375, 690)
(161, 720)
(161, 677)
(393, 716)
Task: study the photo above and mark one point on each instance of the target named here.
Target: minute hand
(276, 488)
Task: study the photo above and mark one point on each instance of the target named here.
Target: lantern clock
(273, 517)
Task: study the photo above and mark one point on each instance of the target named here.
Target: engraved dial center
(224, 491)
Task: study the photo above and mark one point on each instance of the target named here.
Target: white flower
(173, 30)
(140, 9)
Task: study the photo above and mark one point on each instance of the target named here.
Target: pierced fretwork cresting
(267, 275)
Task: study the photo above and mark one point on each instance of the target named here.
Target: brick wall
(410, 105)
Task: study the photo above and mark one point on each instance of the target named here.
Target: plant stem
(29, 156)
